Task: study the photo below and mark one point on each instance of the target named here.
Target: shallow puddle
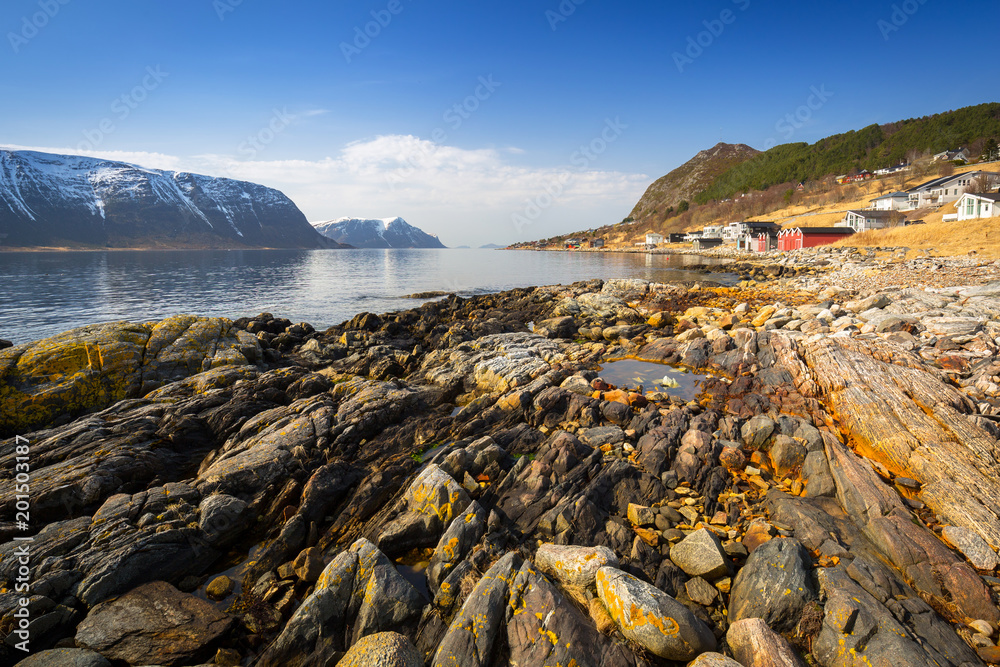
(413, 567)
(630, 374)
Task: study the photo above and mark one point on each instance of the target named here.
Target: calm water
(42, 294)
(631, 374)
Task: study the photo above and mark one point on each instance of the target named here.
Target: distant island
(377, 233)
(76, 202)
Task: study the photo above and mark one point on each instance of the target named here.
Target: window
(968, 206)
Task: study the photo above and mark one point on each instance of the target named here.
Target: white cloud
(465, 196)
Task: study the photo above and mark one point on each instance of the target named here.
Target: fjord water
(45, 293)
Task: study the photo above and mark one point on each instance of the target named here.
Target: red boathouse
(797, 238)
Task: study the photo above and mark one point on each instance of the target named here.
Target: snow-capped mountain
(386, 233)
(56, 200)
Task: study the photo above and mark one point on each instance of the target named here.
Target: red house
(797, 238)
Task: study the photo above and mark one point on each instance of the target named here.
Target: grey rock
(390, 602)
(757, 431)
(317, 626)
(545, 628)
(857, 628)
(222, 518)
(455, 544)
(973, 547)
(818, 478)
(601, 435)
(154, 624)
(471, 636)
(874, 301)
(787, 455)
(700, 591)
(713, 660)
(383, 649)
(754, 644)
(700, 554)
(572, 564)
(774, 585)
(650, 617)
(65, 657)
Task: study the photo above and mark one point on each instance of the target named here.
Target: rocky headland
(456, 484)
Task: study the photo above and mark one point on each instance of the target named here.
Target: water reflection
(42, 294)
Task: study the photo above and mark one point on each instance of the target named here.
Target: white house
(868, 219)
(973, 206)
(897, 201)
(712, 232)
(731, 232)
(652, 238)
(949, 156)
(947, 189)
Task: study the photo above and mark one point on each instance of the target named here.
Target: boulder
(574, 565)
(755, 645)
(430, 503)
(221, 518)
(383, 649)
(757, 432)
(154, 624)
(94, 366)
(713, 660)
(316, 628)
(700, 554)
(65, 657)
(456, 542)
(787, 455)
(470, 637)
(545, 628)
(308, 565)
(640, 515)
(651, 618)
(774, 584)
(390, 602)
(973, 547)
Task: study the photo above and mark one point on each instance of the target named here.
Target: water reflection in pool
(630, 373)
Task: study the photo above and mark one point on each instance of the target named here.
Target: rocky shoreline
(455, 484)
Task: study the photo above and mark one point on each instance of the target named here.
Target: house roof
(992, 196)
(930, 185)
(893, 195)
(820, 230)
(870, 213)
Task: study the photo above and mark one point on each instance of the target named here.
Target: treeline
(871, 148)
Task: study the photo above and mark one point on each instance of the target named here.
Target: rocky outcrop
(153, 624)
(94, 366)
(480, 490)
(652, 618)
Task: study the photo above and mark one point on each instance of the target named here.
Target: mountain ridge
(683, 184)
(377, 233)
(52, 200)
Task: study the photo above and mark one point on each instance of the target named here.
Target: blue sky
(290, 96)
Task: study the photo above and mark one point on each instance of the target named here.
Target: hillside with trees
(672, 194)
(871, 148)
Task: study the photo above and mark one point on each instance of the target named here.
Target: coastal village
(971, 193)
